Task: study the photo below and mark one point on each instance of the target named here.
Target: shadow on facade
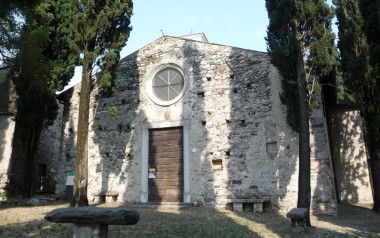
(4, 110)
(111, 156)
(240, 144)
(201, 150)
(262, 148)
(6, 126)
(240, 148)
(323, 198)
(11, 147)
(350, 158)
(68, 129)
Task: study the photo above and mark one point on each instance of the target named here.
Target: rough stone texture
(90, 231)
(258, 207)
(297, 214)
(7, 125)
(65, 157)
(239, 144)
(350, 157)
(92, 222)
(47, 155)
(238, 207)
(238, 204)
(94, 215)
(322, 181)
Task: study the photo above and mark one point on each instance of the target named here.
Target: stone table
(93, 221)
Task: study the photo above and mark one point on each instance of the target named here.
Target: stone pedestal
(90, 231)
(258, 207)
(238, 206)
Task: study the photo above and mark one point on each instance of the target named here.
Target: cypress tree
(95, 31)
(38, 69)
(100, 29)
(300, 43)
(359, 44)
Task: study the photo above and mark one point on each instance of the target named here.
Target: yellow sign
(152, 173)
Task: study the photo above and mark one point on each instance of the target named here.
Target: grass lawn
(353, 221)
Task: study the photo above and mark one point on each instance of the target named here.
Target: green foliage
(101, 31)
(343, 93)
(370, 96)
(313, 20)
(353, 47)
(41, 63)
(371, 29)
(37, 106)
(291, 103)
(107, 84)
(281, 46)
(57, 16)
(98, 31)
(9, 33)
(359, 44)
(113, 112)
(3, 196)
(301, 45)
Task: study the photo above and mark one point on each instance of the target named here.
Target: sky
(239, 23)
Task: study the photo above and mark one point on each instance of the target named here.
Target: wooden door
(165, 179)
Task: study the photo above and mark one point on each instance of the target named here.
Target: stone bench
(297, 215)
(93, 221)
(102, 196)
(258, 203)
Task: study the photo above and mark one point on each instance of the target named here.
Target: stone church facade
(196, 123)
(212, 118)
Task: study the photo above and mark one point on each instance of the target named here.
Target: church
(199, 123)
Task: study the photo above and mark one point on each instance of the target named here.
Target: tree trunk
(373, 140)
(374, 158)
(81, 160)
(378, 11)
(30, 166)
(304, 191)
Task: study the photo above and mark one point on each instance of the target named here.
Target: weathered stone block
(238, 207)
(94, 215)
(258, 207)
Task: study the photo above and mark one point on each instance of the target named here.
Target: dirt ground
(352, 221)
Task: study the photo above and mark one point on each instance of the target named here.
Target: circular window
(166, 84)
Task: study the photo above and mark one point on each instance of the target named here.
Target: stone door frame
(145, 156)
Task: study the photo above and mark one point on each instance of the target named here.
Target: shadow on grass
(20, 220)
(202, 222)
(37, 228)
(199, 222)
(353, 221)
(154, 222)
(359, 221)
(25, 203)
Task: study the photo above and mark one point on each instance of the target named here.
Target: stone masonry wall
(7, 125)
(239, 142)
(350, 157)
(48, 154)
(322, 181)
